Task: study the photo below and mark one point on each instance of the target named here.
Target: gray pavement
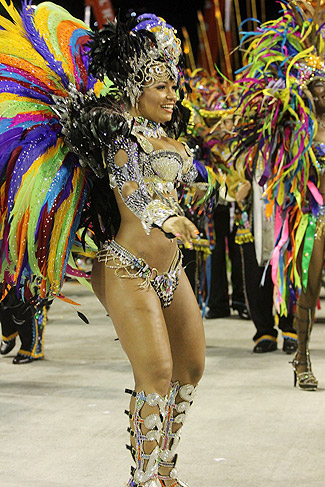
(62, 421)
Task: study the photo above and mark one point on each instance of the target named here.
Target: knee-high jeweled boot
(178, 403)
(146, 419)
(301, 363)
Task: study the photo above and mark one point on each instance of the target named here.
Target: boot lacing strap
(146, 471)
(175, 413)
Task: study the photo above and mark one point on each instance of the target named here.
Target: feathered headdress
(135, 54)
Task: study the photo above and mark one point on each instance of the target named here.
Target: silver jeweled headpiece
(156, 63)
(135, 54)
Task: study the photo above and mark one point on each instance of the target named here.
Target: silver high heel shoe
(305, 378)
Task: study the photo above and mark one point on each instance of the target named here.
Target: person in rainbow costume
(282, 109)
(89, 125)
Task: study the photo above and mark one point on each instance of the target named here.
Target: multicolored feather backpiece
(43, 188)
(277, 125)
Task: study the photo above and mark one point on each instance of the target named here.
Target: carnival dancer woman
(282, 107)
(138, 276)
(122, 183)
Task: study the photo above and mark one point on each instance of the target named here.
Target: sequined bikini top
(163, 167)
(167, 164)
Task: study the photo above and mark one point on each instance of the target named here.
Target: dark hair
(178, 123)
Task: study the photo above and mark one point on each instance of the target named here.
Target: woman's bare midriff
(156, 249)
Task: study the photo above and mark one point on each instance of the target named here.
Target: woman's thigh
(139, 322)
(186, 333)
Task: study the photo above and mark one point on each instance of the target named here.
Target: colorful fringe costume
(43, 60)
(278, 124)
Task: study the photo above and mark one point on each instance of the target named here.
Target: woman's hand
(182, 228)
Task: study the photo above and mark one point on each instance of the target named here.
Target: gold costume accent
(320, 227)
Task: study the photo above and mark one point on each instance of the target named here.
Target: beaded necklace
(148, 128)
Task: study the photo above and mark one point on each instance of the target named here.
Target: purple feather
(85, 60)
(13, 87)
(24, 263)
(147, 21)
(37, 142)
(201, 169)
(66, 190)
(39, 43)
(8, 142)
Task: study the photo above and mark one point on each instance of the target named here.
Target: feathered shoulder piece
(90, 124)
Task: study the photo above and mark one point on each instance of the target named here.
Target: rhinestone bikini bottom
(128, 266)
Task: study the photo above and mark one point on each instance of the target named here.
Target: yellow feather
(12, 11)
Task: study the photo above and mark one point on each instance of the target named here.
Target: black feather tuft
(83, 317)
(114, 47)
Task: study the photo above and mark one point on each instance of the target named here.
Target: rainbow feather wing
(42, 186)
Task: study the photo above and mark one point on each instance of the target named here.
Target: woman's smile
(168, 107)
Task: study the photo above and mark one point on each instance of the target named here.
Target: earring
(315, 98)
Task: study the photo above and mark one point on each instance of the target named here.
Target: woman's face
(317, 89)
(157, 101)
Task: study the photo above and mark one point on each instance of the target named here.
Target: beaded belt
(128, 266)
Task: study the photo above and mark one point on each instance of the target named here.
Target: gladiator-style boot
(178, 403)
(303, 374)
(146, 419)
